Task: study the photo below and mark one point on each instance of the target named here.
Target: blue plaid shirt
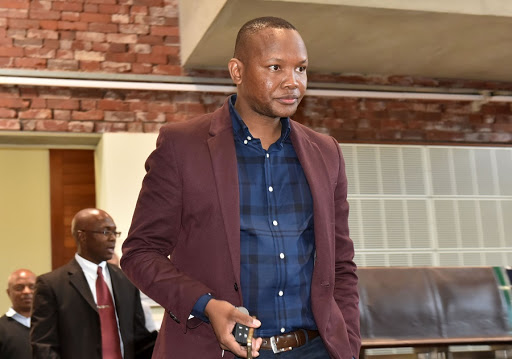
(277, 242)
(276, 231)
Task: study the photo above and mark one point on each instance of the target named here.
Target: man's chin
(289, 111)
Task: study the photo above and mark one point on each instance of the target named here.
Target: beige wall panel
(24, 214)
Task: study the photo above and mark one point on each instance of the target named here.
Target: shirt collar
(18, 317)
(240, 129)
(88, 266)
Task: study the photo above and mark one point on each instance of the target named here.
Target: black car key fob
(240, 331)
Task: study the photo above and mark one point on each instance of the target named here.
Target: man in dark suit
(15, 324)
(88, 308)
(245, 207)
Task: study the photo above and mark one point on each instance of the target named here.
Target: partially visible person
(144, 300)
(15, 324)
(88, 309)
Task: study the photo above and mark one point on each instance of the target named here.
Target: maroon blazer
(184, 240)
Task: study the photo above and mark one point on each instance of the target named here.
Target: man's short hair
(253, 26)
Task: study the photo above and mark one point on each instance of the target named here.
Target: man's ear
(235, 67)
(80, 238)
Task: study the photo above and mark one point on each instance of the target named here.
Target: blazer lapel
(223, 156)
(317, 174)
(311, 160)
(77, 280)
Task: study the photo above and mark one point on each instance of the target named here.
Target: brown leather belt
(288, 341)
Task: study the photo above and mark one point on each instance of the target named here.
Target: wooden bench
(433, 308)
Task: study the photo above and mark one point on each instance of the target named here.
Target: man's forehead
(23, 275)
(271, 40)
(270, 34)
(99, 219)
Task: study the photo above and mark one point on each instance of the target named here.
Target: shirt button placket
(275, 224)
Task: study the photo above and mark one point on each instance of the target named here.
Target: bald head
(95, 233)
(19, 273)
(20, 289)
(83, 219)
(254, 26)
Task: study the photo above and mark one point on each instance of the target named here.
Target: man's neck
(25, 314)
(266, 129)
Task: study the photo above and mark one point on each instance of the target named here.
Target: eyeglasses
(105, 232)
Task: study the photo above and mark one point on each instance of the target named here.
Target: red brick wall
(98, 110)
(142, 37)
(135, 36)
(370, 120)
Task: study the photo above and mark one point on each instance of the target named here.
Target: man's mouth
(288, 100)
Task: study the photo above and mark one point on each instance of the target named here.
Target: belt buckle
(274, 346)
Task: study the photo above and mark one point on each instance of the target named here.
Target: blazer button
(236, 287)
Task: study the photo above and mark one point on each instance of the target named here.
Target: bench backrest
(431, 302)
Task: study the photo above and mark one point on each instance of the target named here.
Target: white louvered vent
(430, 205)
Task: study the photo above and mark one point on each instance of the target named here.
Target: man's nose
(27, 290)
(291, 79)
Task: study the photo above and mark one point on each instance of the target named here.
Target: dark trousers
(313, 349)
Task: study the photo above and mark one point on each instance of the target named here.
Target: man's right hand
(223, 316)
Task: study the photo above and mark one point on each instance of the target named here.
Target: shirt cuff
(198, 310)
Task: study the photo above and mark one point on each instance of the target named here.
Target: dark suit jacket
(188, 208)
(65, 322)
(14, 341)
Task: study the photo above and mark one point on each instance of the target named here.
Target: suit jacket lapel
(120, 291)
(223, 156)
(77, 280)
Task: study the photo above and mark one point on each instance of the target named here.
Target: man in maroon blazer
(245, 207)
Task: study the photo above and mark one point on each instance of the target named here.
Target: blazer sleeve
(154, 234)
(44, 338)
(345, 290)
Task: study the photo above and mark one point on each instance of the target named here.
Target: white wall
(119, 160)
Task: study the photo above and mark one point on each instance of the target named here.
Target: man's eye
(274, 67)
(301, 68)
(21, 287)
